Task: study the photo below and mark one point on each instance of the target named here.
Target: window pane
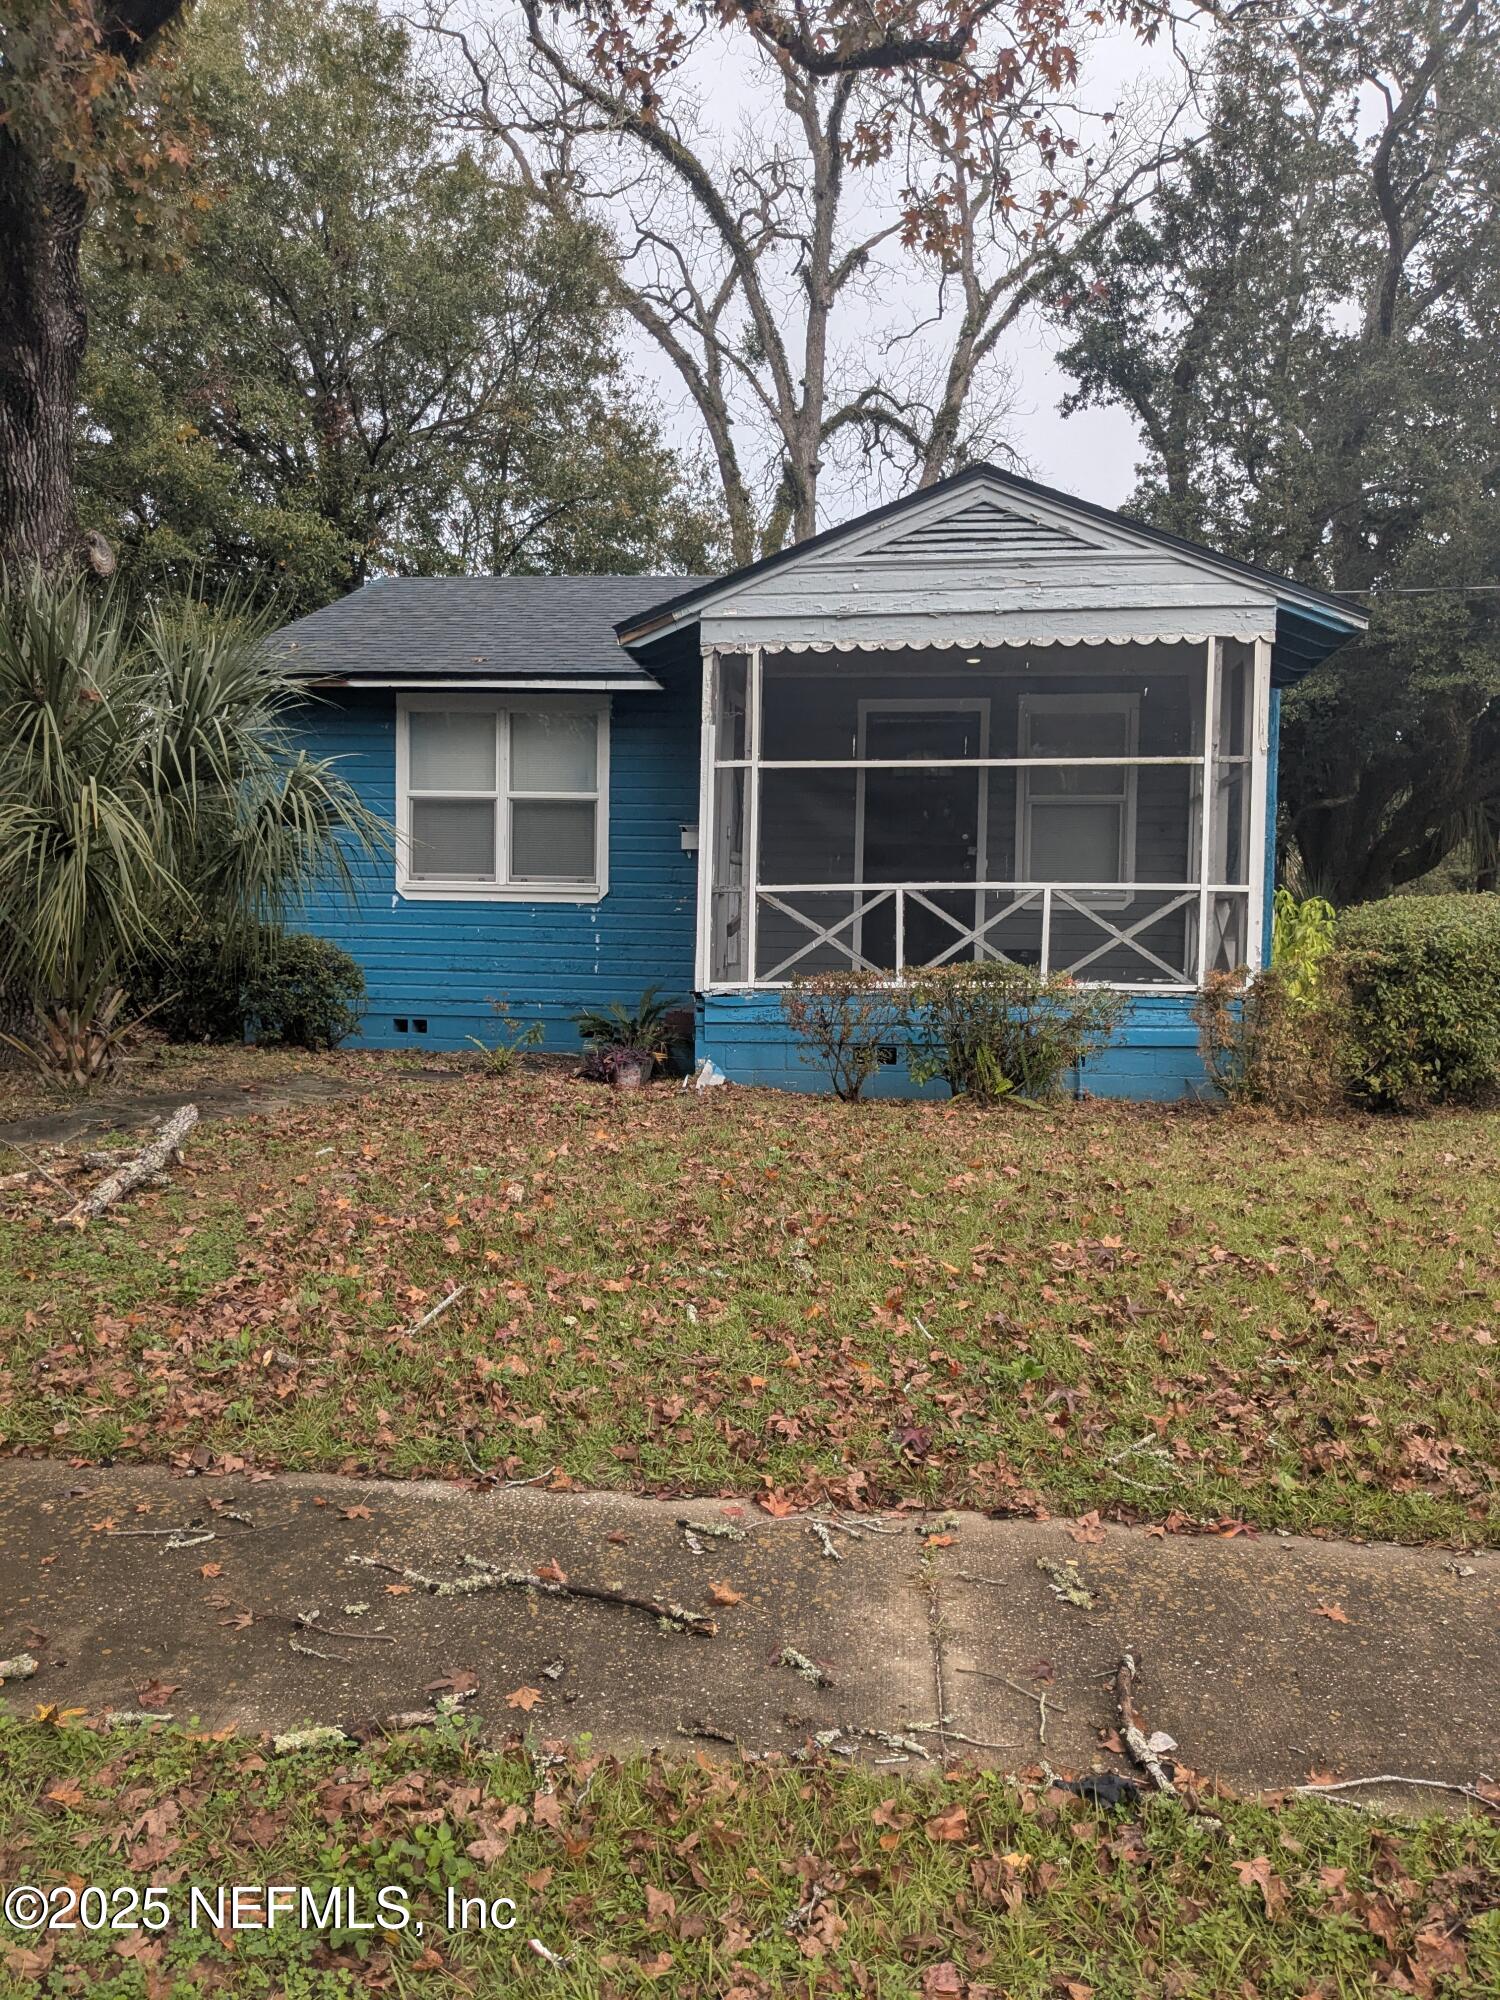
(453, 839)
(1075, 843)
(1072, 781)
(924, 732)
(551, 841)
(552, 753)
(1077, 732)
(451, 751)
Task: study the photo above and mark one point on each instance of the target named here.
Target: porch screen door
(925, 824)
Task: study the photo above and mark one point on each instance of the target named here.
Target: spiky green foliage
(147, 778)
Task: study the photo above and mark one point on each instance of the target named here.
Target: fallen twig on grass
(486, 1576)
(443, 1710)
(34, 1168)
(1133, 1729)
(323, 1736)
(438, 1310)
(1396, 1778)
(149, 1162)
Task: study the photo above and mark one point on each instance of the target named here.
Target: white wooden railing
(1209, 924)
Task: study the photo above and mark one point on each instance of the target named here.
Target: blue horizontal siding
(444, 962)
(1154, 1054)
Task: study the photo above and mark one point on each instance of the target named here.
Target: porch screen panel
(808, 836)
(728, 957)
(1230, 858)
(1084, 809)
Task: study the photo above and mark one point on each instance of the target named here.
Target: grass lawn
(1157, 1313)
(696, 1879)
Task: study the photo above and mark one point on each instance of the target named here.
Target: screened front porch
(1095, 809)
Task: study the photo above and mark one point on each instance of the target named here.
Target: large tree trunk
(43, 331)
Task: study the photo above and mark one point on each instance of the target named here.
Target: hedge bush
(1274, 1040)
(995, 1029)
(1423, 978)
(304, 991)
(288, 988)
(848, 1020)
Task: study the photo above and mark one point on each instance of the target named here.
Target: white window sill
(492, 892)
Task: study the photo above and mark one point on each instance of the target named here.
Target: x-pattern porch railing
(845, 932)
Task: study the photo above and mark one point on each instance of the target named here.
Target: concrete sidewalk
(1266, 1658)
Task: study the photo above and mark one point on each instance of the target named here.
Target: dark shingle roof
(479, 628)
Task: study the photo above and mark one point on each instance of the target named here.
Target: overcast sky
(1093, 453)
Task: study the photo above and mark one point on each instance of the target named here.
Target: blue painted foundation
(1154, 1055)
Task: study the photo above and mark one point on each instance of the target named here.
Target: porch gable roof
(1068, 569)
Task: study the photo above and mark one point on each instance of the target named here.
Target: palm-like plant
(147, 778)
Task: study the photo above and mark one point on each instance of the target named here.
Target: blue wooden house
(988, 721)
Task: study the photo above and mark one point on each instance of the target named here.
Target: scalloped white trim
(980, 641)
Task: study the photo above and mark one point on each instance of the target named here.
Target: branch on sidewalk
(487, 1576)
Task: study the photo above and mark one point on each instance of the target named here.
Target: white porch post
(752, 819)
(707, 805)
(1205, 819)
(1260, 754)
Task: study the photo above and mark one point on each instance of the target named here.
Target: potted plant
(626, 1044)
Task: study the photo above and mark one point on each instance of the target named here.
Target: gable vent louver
(978, 533)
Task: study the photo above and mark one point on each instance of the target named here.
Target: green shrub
(1266, 1040)
(1424, 998)
(289, 987)
(1302, 938)
(848, 1020)
(191, 986)
(997, 1029)
(304, 991)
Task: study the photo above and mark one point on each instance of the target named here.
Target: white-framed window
(502, 797)
(1075, 819)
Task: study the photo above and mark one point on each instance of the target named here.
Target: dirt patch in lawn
(1166, 1315)
(108, 1111)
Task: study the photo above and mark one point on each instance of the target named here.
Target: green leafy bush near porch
(1423, 977)
(996, 1030)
